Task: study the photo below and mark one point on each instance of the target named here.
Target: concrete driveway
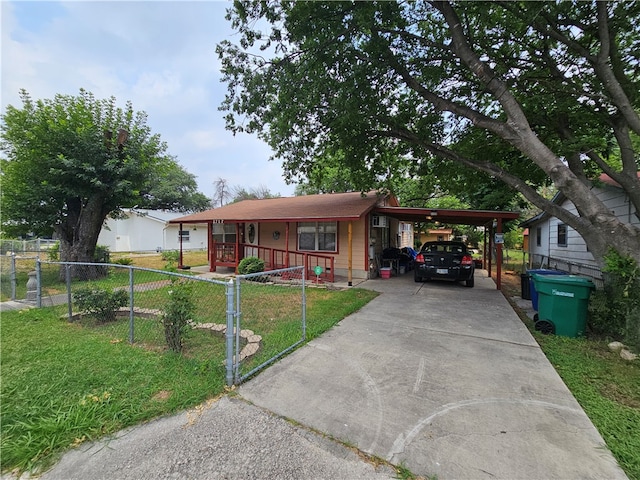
(443, 379)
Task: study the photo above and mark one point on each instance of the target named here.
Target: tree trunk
(78, 236)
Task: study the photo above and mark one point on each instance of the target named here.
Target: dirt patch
(161, 396)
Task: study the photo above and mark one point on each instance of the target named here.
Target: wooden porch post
(212, 265)
(350, 256)
(237, 253)
(286, 245)
(180, 238)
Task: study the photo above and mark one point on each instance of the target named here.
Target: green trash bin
(563, 303)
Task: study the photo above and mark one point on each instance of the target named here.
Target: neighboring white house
(149, 230)
(549, 238)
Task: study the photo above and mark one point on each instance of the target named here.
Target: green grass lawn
(607, 388)
(64, 383)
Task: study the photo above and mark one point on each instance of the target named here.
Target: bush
(250, 265)
(170, 256)
(54, 252)
(615, 310)
(177, 314)
(124, 261)
(100, 302)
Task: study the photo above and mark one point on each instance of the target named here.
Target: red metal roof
(324, 207)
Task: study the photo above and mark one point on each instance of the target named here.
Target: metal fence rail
(574, 268)
(257, 318)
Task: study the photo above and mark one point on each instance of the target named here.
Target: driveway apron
(443, 379)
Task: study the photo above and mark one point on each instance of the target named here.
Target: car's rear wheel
(417, 278)
(469, 283)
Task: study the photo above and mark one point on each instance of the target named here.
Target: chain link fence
(271, 318)
(241, 325)
(14, 276)
(26, 247)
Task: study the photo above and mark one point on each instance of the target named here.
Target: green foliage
(171, 257)
(124, 261)
(250, 265)
(178, 312)
(615, 310)
(71, 161)
(100, 302)
(102, 254)
(470, 98)
(54, 252)
(170, 187)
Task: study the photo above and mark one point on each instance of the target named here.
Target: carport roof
(460, 217)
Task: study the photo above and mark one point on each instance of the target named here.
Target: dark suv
(444, 260)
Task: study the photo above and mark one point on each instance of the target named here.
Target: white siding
(144, 231)
(576, 249)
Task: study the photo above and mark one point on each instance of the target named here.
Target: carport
(492, 220)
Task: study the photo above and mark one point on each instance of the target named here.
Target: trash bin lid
(574, 280)
(546, 271)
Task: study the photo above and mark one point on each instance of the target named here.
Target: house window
(539, 236)
(562, 234)
(317, 236)
(224, 232)
(183, 236)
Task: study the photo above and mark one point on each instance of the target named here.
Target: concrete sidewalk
(443, 379)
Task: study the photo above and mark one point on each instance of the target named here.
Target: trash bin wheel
(545, 326)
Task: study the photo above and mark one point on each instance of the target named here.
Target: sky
(160, 55)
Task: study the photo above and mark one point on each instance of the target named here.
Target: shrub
(615, 310)
(124, 261)
(100, 302)
(170, 255)
(54, 252)
(250, 265)
(177, 313)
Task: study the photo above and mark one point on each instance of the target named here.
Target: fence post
(131, 322)
(229, 333)
(67, 277)
(14, 276)
(238, 315)
(39, 280)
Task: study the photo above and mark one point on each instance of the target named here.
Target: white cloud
(159, 55)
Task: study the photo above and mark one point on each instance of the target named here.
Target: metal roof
(460, 217)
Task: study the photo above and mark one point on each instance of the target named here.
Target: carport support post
(350, 255)
(499, 257)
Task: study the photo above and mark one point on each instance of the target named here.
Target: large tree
(70, 162)
(528, 93)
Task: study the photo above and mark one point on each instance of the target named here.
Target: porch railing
(225, 255)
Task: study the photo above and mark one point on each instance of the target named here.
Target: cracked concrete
(443, 379)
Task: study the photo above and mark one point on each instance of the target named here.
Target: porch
(226, 255)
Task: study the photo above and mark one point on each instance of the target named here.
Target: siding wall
(576, 249)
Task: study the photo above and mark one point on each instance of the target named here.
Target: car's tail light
(467, 260)
(420, 258)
